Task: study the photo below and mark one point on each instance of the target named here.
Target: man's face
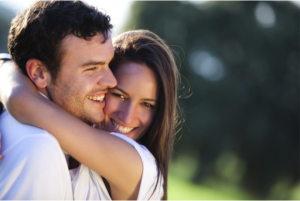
(84, 77)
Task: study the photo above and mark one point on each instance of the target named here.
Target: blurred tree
(6, 16)
(241, 60)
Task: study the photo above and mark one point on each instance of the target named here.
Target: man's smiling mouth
(97, 98)
(120, 128)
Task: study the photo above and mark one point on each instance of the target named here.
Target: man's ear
(38, 73)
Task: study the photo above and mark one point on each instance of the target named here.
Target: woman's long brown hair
(145, 47)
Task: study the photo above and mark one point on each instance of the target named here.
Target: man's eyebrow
(93, 63)
(145, 99)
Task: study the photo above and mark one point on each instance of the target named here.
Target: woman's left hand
(1, 106)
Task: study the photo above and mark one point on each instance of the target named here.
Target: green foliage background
(242, 130)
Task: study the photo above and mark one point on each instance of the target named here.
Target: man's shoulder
(10, 124)
(33, 160)
(16, 135)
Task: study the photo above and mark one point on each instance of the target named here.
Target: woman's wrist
(8, 71)
(3, 58)
(2, 61)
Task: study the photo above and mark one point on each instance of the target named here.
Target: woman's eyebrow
(148, 99)
(116, 87)
(145, 99)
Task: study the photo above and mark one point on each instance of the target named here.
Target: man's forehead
(96, 49)
(99, 37)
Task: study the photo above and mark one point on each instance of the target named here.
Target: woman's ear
(37, 72)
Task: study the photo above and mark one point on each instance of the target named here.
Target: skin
(131, 105)
(83, 73)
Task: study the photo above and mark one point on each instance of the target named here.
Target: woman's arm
(106, 154)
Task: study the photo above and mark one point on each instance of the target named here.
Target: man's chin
(94, 119)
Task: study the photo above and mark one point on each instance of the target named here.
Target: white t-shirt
(89, 185)
(34, 166)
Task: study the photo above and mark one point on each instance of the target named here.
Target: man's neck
(43, 94)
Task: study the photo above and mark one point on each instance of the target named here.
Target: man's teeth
(121, 129)
(96, 98)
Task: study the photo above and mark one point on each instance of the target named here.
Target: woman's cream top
(89, 185)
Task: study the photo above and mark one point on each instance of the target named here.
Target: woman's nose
(128, 115)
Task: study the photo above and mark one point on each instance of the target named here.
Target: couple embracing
(84, 118)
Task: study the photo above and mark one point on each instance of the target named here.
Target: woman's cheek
(148, 117)
(108, 101)
(110, 104)
(152, 115)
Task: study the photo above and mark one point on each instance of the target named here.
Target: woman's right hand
(13, 85)
(1, 107)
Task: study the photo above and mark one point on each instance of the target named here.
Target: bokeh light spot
(206, 65)
(265, 15)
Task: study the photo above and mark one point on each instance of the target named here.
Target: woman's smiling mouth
(120, 128)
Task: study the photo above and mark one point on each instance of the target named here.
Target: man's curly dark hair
(39, 30)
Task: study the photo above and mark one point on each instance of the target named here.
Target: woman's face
(132, 104)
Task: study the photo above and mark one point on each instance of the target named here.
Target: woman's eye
(148, 105)
(118, 95)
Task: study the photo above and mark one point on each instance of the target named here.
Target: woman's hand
(1, 105)
(13, 85)
(8, 75)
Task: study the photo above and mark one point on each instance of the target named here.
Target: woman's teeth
(120, 128)
(96, 98)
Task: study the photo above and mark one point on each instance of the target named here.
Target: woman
(142, 107)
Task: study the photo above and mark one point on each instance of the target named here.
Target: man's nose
(108, 79)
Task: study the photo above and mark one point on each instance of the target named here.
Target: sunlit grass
(180, 189)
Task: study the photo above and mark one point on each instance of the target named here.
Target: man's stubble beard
(65, 97)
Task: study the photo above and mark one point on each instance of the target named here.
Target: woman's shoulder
(144, 153)
(151, 186)
(88, 184)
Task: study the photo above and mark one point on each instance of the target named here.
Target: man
(64, 48)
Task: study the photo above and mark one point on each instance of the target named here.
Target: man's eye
(94, 68)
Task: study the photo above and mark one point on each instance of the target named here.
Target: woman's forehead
(135, 77)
